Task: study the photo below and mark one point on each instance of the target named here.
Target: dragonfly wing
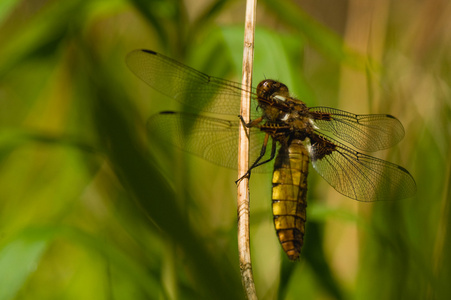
(359, 176)
(185, 84)
(213, 139)
(365, 132)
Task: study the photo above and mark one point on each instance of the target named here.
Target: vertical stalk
(243, 155)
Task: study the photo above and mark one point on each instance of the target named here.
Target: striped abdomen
(289, 196)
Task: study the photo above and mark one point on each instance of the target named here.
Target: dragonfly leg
(257, 161)
(273, 154)
(251, 123)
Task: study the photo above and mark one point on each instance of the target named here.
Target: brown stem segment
(243, 155)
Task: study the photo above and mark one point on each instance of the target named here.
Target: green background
(91, 209)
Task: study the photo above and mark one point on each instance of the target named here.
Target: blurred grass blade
(151, 12)
(443, 259)
(21, 256)
(207, 15)
(10, 139)
(153, 194)
(315, 257)
(19, 259)
(47, 27)
(321, 38)
(6, 6)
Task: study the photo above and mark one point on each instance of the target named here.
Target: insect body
(301, 134)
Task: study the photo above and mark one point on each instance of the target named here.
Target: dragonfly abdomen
(289, 196)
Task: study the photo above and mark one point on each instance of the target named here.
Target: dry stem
(243, 156)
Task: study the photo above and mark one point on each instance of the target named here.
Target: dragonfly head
(270, 90)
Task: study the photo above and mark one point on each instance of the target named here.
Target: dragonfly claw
(246, 175)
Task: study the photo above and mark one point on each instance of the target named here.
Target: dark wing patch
(365, 132)
(359, 176)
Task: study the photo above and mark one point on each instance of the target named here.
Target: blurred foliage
(90, 209)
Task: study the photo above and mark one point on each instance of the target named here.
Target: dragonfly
(299, 135)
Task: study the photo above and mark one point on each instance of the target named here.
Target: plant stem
(243, 155)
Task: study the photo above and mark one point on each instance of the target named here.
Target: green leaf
(18, 260)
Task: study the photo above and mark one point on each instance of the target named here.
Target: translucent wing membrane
(215, 140)
(365, 132)
(185, 84)
(359, 176)
(351, 173)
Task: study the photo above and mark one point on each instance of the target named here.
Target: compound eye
(265, 88)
